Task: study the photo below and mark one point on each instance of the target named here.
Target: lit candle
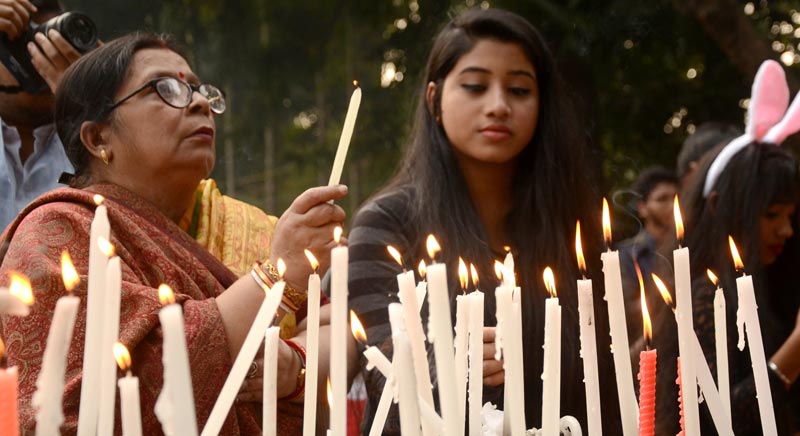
(629, 408)
(506, 344)
(588, 342)
(312, 350)
(175, 404)
(128, 394)
(647, 368)
(476, 358)
(9, 417)
(508, 264)
(18, 297)
(252, 342)
(269, 398)
(747, 316)
(108, 367)
(463, 309)
(90, 381)
(684, 317)
(404, 371)
(551, 374)
(344, 140)
(721, 337)
(422, 286)
(50, 383)
(407, 291)
(705, 380)
(440, 333)
(339, 332)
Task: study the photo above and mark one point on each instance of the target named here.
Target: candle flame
(311, 259)
(579, 248)
(165, 295)
(68, 273)
(433, 246)
(422, 269)
(647, 325)
(337, 234)
(662, 288)
(122, 356)
(106, 247)
(2, 349)
(20, 287)
(281, 268)
(474, 273)
(498, 269)
(355, 83)
(395, 254)
(606, 223)
(678, 220)
(330, 393)
(98, 199)
(550, 282)
(463, 275)
(737, 261)
(712, 277)
(357, 328)
(507, 248)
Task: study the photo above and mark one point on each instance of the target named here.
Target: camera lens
(79, 30)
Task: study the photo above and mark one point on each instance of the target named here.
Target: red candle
(647, 369)
(9, 418)
(680, 399)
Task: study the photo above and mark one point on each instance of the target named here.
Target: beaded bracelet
(291, 296)
(300, 389)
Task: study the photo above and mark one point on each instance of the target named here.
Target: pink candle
(680, 399)
(647, 369)
(9, 418)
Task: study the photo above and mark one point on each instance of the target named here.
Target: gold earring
(104, 155)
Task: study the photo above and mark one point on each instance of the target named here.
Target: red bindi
(181, 75)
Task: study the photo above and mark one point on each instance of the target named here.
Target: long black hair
(552, 190)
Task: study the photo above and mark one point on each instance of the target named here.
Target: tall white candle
(108, 368)
(175, 405)
(130, 409)
(18, 297)
(588, 339)
(50, 383)
(312, 351)
(344, 140)
(90, 381)
(440, 333)
(551, 374)
(404, 371)
(747, 318)
(422, 286)
(476, 364)
(269, 398)
(252, 342)
(685, 318)
(629, 407)
(721, 338)
(463, 308)
(338, 344)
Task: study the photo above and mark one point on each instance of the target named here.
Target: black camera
(75, 27)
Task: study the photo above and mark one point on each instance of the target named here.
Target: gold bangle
(291, 296)
(259, 280)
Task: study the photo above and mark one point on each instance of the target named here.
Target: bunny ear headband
(769, 122)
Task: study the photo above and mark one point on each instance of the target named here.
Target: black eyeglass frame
(192, 87)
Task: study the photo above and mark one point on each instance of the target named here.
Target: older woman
(138, 126)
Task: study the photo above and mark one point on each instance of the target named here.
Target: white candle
(175, 405)
(108, 368)
(440, 333)
(517, 398)
(344, 140)
(747, 315)
(90, 382)
(629, 407)
(50, 383)
(416, 336)
(269, 397)
(476, 364)
(130, 409)
(721, 338)
(404, 371)
(463, 309)
(338, 344)
(10, 304)
(684, 317)
(551, 374)
(252, 342)
(589, 356)
(312, 351)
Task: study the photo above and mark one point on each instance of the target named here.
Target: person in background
(33, 157)
(705, 137)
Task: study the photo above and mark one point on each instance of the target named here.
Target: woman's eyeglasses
(178, 93)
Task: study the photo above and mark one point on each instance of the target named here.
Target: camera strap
(10, 89)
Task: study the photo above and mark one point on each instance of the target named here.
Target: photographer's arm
(52, 56)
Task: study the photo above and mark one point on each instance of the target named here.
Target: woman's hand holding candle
(493, 373)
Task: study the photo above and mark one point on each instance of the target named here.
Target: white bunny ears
(768, 120)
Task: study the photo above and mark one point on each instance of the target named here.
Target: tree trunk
(230, 183)
(269, 169)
